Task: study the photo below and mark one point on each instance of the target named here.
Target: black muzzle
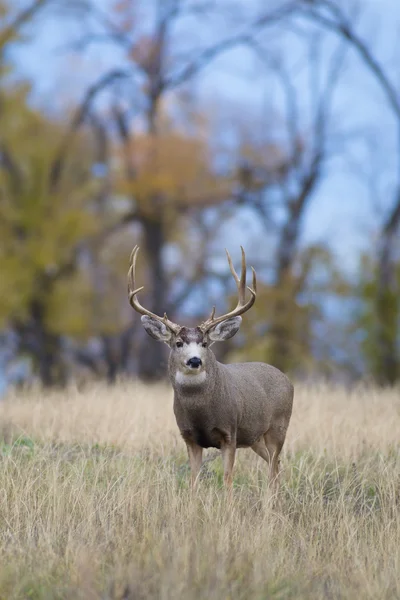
(194, 363)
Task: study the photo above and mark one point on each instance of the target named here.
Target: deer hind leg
(228, 451)
(261, 449)
(195, 453)
(274, 440)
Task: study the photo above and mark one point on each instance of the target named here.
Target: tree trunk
(111, 357)
(281, 353)
(388, 370)
(281, 330)
(43, 346)
(152, 359)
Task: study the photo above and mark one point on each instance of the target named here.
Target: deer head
(190, 345)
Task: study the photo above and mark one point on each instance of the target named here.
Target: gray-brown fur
(236, 406)
(223, 406)
(237, 403)
(191, 334)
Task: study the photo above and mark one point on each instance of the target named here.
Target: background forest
(188, 126)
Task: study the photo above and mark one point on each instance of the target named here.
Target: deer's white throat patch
(190, 378)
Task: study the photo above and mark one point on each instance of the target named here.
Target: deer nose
(194, 362)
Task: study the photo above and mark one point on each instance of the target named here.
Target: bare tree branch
(78, 118)
(206, 56)
(343, 27)
(292, 112)
(392, 222)
(125, 135)
(20, 20)
(335, 20)
(202, 60)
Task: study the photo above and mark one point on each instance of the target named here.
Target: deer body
(222, 406)
(238, 402)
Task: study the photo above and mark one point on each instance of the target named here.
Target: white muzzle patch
(190, 378)
(191, 350)
(187, 375)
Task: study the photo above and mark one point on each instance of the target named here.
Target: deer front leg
(195, 453)
(228, 451)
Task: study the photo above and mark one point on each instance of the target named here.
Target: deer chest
(204, 437)
(205, 426)
(203, 432)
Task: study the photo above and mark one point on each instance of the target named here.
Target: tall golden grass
(95, 503)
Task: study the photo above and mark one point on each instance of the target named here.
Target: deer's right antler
(133, 299)
(242, 306)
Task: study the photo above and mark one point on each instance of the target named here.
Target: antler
(134, 302)
(242, 306)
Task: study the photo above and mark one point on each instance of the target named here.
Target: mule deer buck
(221, 406)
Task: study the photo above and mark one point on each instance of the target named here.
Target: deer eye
(204, 344)
(179, 344)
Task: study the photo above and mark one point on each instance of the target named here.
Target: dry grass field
(95, 503)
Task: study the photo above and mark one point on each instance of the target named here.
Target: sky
(344, 211)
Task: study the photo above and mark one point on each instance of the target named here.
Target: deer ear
(156, 329)
(225, 330)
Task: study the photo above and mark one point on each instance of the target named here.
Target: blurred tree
(42, 226)
(14, 18)
(387, 298)
(278, 176)
(59, 212)
(158, 179)
(314, 280)
(166, 170)
(142, 164)
(369, 321)
(334, 16)
(29, 262)
(48, 216)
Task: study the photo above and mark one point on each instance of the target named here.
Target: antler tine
(232, 268)
(211, 317)
(131, 277)
(240, 283)
(242, 306)
(242, 288)
(254, 280)
(134, 301)
(135, 248)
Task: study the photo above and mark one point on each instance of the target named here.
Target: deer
(223, 406)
